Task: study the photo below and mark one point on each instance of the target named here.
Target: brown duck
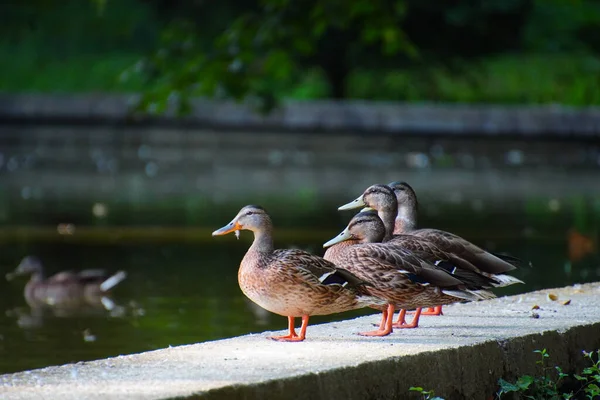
(407, 279)
(67, 289)
(292, 283)
(406, 223)
(470, 262)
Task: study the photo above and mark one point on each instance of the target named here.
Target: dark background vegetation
(493, 51)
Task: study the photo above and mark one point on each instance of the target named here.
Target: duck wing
(466, 250)
(453, 264)
(316, 270)
(384, 259)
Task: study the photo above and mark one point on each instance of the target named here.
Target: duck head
(405, 195)
(366, 227)
(378, 197)
(28, 265)
(252, 218)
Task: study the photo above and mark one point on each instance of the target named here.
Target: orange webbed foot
(437, 310)
(292, 336)
(407, 326)
(402, 324)
(287, 338)
(378, 332)
(433, 311)
(386, 324)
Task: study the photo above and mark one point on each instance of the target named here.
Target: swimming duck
(383, 199)
(65, 289)
(406, 279)
(292, 282)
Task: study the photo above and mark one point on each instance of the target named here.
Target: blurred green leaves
(261, 53)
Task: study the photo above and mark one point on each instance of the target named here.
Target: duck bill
(345, 235)
(357, 203)
(230, 227)
(367, 208)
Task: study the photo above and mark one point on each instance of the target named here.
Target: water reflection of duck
(408, 278)
(291, 282)
(67, 290)
(399, 216)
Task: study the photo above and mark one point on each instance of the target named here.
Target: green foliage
(548, 385)
(426, 394)
(494, 51)
(262, 52)
(515, 79)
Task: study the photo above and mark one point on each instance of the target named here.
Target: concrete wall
(82, 146)
(460, 356)
(374, 117)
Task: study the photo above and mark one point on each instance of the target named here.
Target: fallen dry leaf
(552, 296)
(566, 303)
(535, 307)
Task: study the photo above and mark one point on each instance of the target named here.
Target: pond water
(182, 283)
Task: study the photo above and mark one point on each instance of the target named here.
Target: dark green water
(181, 292)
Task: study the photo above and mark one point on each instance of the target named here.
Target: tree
(255, 51)
(267, 46)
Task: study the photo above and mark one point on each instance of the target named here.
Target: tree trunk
(333, 58)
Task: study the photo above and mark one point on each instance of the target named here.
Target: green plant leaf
(507, 387)
(524, 382)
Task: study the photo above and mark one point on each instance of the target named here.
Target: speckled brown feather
(406, 222)
(292, 283)
(286, 282)
(387, 267)
(485, 261)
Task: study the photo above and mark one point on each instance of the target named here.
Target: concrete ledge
(460, 355)
(323, 115)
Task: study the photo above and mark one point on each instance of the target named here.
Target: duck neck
(406, 221)
(37, 274)
(387, 216)
(263, 242)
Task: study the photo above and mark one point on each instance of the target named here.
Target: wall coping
(459, 355)
(316, 116)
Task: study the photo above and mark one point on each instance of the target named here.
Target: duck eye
(249, 212)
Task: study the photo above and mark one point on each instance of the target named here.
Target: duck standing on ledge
(66, 289)
(292, 283)
(383, 199)
(407, 279)
(488, 263)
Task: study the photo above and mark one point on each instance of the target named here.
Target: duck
(67, 289)
(292, 282)
(407, 279)
(406, 223)
(400, 222)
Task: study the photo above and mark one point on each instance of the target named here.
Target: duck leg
(437, 310)
(387, 328)
(413, 324)
(383, 319)
(292, 336)
(401, 318)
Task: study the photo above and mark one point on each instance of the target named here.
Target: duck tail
(470, 295)
(514, 261)
(113, 281)
(370, 301)
(505, 280)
